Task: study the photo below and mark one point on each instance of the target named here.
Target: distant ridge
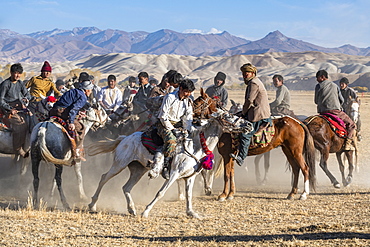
(60, 45)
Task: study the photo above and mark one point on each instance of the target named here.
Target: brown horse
(326, 141)
(294, 138)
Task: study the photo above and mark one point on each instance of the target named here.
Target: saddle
(151, 140)
(260, 139)
(336, 124)
(71, 135)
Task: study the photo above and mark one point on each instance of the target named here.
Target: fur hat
(87, 85)
(248, 67)
(46, 67)
(344, 80)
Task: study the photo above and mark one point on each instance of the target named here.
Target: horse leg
(349, 155)
(295, 170)
(180, 190)
(78, 173)
(136, 173)
(208, 181)
(113, 171)
(267, 166)
(36, 180)
(173, 177)
(228, 179)
(324, 166)
(189, 196)
(257, 160)
(58, 179)
(297, 162)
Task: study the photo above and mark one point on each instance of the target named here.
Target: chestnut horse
(326, 141)
(293, 136)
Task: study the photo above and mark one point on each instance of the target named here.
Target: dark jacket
(72, 100)
(142, 95)
(11, 92)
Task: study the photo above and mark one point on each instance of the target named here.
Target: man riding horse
(176, 111)
(329, 100)
(256, 109)
(13, 100)
(67, 108)
(349, 95)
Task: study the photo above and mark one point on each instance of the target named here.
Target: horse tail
(104, 146)
(47, 155)
(309, 155)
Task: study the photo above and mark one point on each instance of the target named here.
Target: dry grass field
(258, 216)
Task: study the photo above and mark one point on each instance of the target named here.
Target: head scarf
(248, 67)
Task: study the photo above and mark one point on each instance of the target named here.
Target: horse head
(353, 109)
(204, 106)
(95, 116)
(235, 107)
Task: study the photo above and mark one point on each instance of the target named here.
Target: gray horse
(50, 144)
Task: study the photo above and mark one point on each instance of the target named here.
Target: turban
(248, 67)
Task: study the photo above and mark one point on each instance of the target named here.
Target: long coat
(256, 106)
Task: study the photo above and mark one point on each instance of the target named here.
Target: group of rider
(174, 109)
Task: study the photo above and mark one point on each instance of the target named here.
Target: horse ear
(202, 93)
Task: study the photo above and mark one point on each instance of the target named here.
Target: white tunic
(175, 110)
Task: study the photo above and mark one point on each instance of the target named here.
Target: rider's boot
(349, 145)
(166, 168)
(359, 137)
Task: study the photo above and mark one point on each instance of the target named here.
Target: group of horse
(298, 140)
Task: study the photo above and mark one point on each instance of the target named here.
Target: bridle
(97, 123)
(203, 108)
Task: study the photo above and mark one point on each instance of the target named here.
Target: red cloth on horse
(336, 124)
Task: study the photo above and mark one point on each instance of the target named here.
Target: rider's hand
(177, 133)
(71, 127)
(13, 111)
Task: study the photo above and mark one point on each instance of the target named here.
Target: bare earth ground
(258, 216)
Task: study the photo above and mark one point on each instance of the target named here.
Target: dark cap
(344, 80)
(83, 77)
(59, 82)
(131, 79)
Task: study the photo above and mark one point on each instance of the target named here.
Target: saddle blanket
(335, 124)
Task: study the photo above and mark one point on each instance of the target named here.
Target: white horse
(130, 152)
(50, 144)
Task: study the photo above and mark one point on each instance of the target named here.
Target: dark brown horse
(294, 138)
(326, 141)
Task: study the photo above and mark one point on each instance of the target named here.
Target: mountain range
(68, 45)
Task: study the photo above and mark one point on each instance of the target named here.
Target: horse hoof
(290, 197)
(208, 192)
(193, 215)
(92, 208)
(181, 197)
(349, 180)
(337, 185)
(132, 212)
(145, 214)
(221, 199)
(229, 198)
(303, 197)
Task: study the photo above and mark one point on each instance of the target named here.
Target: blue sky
(326, 23)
